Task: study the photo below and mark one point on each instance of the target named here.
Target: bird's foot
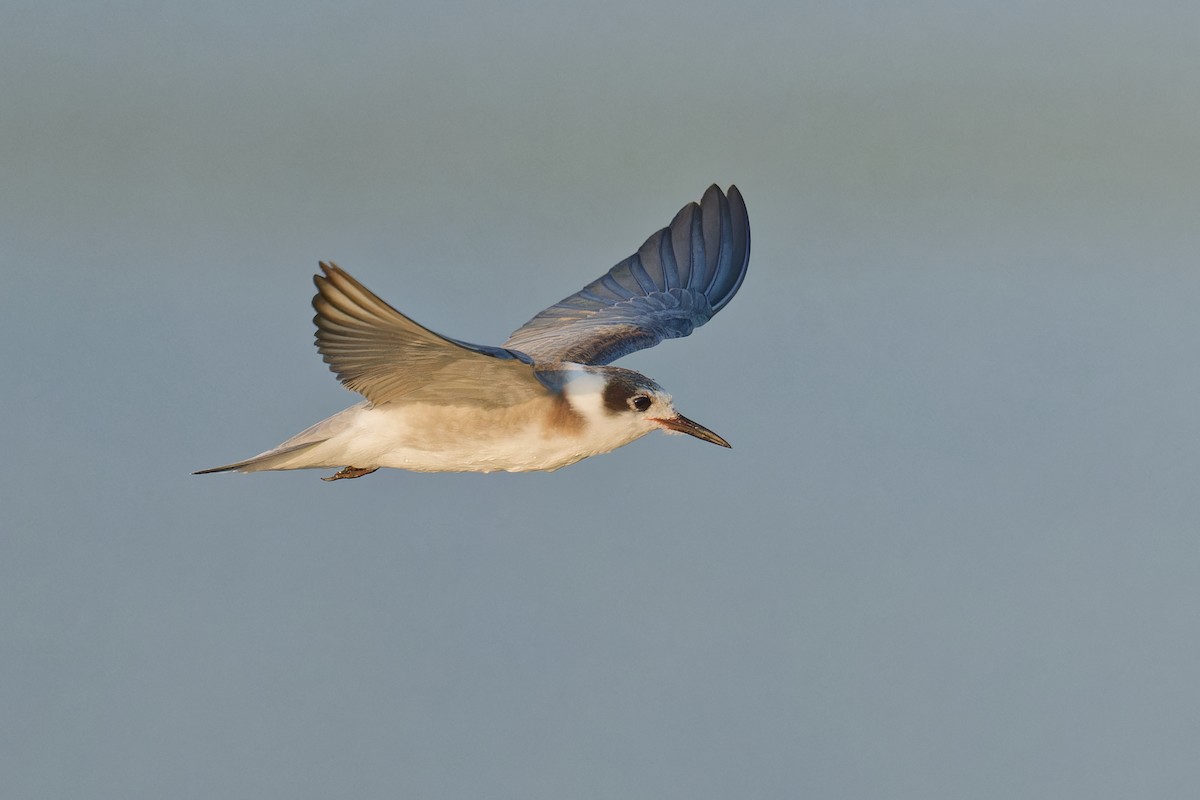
(350, 472)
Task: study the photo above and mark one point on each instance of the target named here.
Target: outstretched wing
(677, 281)
(386, 357)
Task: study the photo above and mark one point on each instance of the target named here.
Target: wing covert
(679, 278)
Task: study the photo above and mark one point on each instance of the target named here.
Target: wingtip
(733, 194)
(716, 187)
(740, 219)
(322, 277)
(329, 269)
(725, 211)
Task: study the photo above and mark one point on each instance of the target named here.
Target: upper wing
(386, 357)
(677, 281)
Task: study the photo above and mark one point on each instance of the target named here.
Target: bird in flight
(545, 399)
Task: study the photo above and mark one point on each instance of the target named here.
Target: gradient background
(953, 552)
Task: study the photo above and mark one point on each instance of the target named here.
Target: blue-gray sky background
(953, 553)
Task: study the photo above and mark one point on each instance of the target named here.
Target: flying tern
(546, 398)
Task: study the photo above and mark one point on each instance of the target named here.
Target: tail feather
(272, 459)
(289, 455)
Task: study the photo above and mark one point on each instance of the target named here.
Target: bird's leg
(350, 472)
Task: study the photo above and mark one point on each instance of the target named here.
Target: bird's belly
(443, 439)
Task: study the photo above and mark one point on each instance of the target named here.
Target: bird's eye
(641, 402)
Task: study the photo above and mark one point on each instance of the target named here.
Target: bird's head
(629, 405)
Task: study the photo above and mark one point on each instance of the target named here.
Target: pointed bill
(681, 424)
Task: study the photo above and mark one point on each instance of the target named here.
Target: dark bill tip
(682, 424)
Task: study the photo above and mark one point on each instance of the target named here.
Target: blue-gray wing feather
(682, 276)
